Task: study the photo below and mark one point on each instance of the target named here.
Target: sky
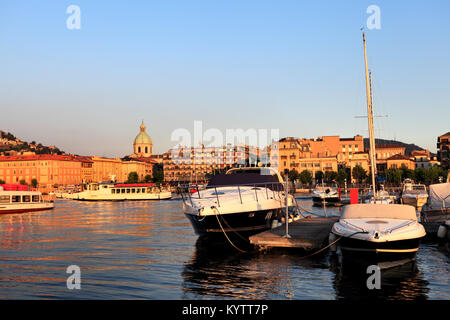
(295, 66)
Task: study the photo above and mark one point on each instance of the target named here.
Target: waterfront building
(195, 164)
(443, 153)
(399, 160)
(49, 170)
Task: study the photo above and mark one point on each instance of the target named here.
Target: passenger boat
(377, 232)
(244, 201)
(110, 191)
(18, 199)
(414, 194)
(325, 194)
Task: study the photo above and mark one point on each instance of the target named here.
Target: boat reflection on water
(404, 282)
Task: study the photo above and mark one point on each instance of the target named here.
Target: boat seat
(380, 211)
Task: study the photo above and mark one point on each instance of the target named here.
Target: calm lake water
(148, 250)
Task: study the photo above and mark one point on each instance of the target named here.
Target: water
(148, 250)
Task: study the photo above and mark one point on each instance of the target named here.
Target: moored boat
(325, 194)
(111, 191)
(414, 194)
(19, 199)
(244, 201)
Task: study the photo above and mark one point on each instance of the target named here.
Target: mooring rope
(226, 236)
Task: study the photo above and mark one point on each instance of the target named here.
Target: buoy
(331, 239)
(442, 231)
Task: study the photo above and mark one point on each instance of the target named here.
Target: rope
(217, 217)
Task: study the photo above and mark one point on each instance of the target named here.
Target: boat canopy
(246, 179)
(439, 196)
(379, 211)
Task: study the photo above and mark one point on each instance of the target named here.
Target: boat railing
(273, 190)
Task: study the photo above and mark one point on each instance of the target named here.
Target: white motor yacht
(325, 194)
(244, 200)
(18, 199)
(414, 194)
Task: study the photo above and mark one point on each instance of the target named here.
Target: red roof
(398, 157)
(39, 157)
(134, 185)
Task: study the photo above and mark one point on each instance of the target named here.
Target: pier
(307, 233)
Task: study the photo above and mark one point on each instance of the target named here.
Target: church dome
(143, 137)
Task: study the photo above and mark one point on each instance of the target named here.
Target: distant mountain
(8, 142)
(409, 146)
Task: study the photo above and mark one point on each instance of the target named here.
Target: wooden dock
(308, 234)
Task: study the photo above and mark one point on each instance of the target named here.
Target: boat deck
(309, 233)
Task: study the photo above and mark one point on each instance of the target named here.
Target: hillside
(409, 147)
(8, 142)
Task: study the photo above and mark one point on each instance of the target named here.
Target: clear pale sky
(293, 65)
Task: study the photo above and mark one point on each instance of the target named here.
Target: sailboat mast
(370, 119)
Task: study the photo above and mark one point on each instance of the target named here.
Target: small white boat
(325, 194)
(110, 191)
(378, 232)
(244, 200)
(20, 200)
(414, 194)
(382, 196)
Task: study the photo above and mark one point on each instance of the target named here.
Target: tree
(34, 183)
(293, 175)
(342, 175)
(359, 174)
(148, 178)
(305, 177)
(23, 182)
(319, 176)
(2, 181)
(407, 173)
(133, 177)
(330, 175)
(158, 173)
(394, 175)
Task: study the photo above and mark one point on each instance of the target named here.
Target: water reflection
(403, 282)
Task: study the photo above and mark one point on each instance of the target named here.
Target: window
(146, 149)
(123, 190)
(139, 149)
(26, 198)
(15, 199)
(138, 190)
(4, 199)
(128, 190)
(113, 191)
(35, 198)
(133, 190)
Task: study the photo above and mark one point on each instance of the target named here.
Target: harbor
(148, 250)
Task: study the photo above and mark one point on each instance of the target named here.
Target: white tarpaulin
(438, 194)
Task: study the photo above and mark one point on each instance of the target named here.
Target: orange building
(398, 160)
(49, 170)
(443, 153)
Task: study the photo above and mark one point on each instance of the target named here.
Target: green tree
(293, 175)
(23, 182)
(133, 177)
(330, 175)
(394, 176)
(420, 175)
(305, 177)
(34, 183)
(148, 178)
(319, 176)
(359, 174)
(2, 181)
(158, 173)
(342, 175)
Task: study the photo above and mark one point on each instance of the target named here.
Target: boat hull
(375, 252)
(330, 200)
(243, 223)
(16, 209)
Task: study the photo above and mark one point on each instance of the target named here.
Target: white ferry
(18, 199)
(110, 191)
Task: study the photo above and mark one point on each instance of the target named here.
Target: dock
(308, 233)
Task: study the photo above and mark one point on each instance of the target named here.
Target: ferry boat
(414, 194)
(111, 191)
(243, 201)
(18, 199)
